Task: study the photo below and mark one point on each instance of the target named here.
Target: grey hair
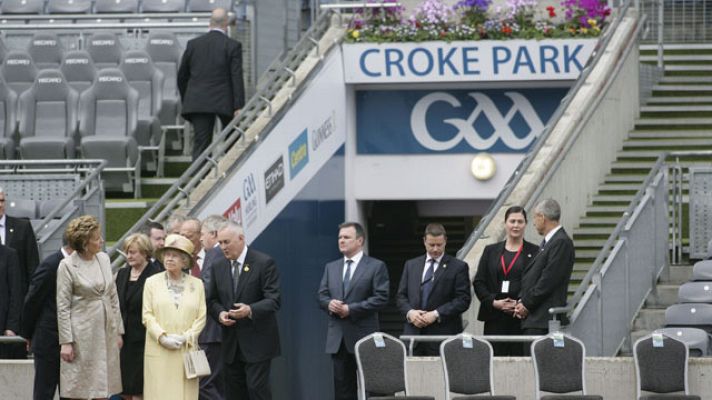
(549, 208)
(2, 191)
(212, 223)
(232, 226)
(175, 220)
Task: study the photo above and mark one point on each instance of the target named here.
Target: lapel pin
(247, 268)
(444, 266)
(12, 230)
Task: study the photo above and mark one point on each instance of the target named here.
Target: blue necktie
(427, 284)
(347, 275)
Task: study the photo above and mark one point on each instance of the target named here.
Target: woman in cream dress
(88, 316)
(174, 314)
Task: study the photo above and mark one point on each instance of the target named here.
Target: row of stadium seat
(110, 6)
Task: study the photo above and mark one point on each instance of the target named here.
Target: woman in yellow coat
(174, 315)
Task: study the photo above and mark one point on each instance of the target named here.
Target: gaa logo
(465, 127)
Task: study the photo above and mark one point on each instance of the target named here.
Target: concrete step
(688, 67)
(691, 47)
(693, 143)
(678, 275)
(679, 99)
(624, 179)
(649, 319)
(682, 88)
(638, 134)
(686, 79)
(589, 244)
(674, 57)
(642, 166)
(677, 108)
(612, 198)
(599, 221)
(679, 122)
(605, 209)
(587, 254)
(591, 231)
(638, 154)
(667, 296)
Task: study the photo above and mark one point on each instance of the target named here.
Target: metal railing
(679, 21)
(206, 165)
(412, 339)
(526, 162)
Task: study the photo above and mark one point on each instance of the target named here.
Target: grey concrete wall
(16, 378)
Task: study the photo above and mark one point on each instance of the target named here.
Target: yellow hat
(176, 242)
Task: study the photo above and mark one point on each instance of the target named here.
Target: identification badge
(467, 342)
(505, 287)
(378, 340)
(658, 339)
(558, 339)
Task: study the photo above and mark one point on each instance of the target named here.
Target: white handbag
(196, 364)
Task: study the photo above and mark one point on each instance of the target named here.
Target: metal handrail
(102, 25)
(133, 16)
(553, 121)
(12, 340)
(411, 339)
(229, 136)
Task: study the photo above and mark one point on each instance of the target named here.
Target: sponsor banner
(487, 60)
(234, 213)
(300, 144)
(452, 121)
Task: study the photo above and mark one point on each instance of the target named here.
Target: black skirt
(132, 367)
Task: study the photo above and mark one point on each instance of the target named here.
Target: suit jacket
(213, 330)
(366, 295)
(11, 291)
(258, 287)
(210, 75)
(450, 294)
(131, 301)
(20, 236)
(39, 313)
(546, 280)
(487, 283)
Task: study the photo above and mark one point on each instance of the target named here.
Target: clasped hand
(339, 308)
(172, 341)
(422, 318)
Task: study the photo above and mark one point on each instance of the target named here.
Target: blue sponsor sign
(452, 121)
(298, 154)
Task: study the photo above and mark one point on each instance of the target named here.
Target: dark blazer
(212, 333)
(210, 75)
(11, 290)
(39, 313)
(257, 337)
(546, 280)
(450, 294)
(131, 301)
(20, 236)
(366, 295)
(487, 284)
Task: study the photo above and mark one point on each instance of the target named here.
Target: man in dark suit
(546, 279)
(434, 291)
(210, 80)
(11, 293)
(157, 235)
(353, 289)
(244, 298)
(212, 387)
(39, 324)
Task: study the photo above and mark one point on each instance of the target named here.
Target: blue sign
(298, 154)
(452, 121)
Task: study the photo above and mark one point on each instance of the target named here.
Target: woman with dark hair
(498, 281)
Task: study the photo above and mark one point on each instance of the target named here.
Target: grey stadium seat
(108, 116)
(143, 76)
(48, 118)
(22, 6)
(105, 50)
(695, 292)
(208, 5)
(702, 271)
(19, 71)
(165, 51)
(78, 69)
(693, 315)
(8, 121)
(46, 50)
(661, 370)
(3, 50)
(116, 6)
(68, 6)
(163, 6)
(697, 340)
(22, 208)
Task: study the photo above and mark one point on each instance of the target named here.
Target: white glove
(179, 338)
(170, 342)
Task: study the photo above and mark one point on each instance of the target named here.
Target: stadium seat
(208, 5)
(560, 368)
(116, 6)
(47, 206)
(3, 50)
(381, 370)
(108, 116)
(48, 118)
(105, 50)
(68, 6)
(697, 340)
(693, 315)
(661, 370)
(19, 71)
(468, 370)
(702, 271)
(158, 6)
(143, 76)
(46, 50)
(165, 51)
(22, 6)
(78, 69)
(8, 120)
(695, 292)
(22, 208)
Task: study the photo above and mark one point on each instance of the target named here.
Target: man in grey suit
(352, 291)
(546, 279)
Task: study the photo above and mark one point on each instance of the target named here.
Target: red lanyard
(506, 270)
